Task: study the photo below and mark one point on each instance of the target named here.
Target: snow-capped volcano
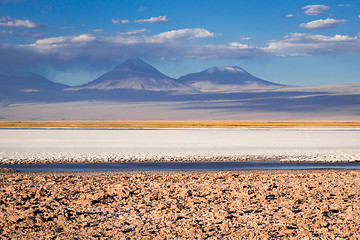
(226, 79)
(226, 69)
(133, 74)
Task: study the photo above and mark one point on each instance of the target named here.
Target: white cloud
(99, 50)
(314, 10)
(136, 32)
(293, 55)
(233, 50)
(344, 5)
(322, 23)
(142, 9)
(56, 44)
(83, 38)
(96, 50)
(52, 40)
(159, 19)
(122, 43)
(117, 21)
(290, 15)
(99, 30)
(161, 38)
(16, 23)
(245, 38)
(182, 33)
(308, 44)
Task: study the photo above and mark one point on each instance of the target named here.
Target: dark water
(177, 166)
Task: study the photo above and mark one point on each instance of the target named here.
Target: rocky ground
(178, 205)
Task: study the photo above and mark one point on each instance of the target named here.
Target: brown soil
(179, 205)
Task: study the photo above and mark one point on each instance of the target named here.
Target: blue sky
(291, 42)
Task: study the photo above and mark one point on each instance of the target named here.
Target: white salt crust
(79, 145)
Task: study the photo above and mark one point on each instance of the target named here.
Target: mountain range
(132, 75)
(227, 89)
(138, 75)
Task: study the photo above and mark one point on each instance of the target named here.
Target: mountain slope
(28, 86)
(134, 74)
(226, 79)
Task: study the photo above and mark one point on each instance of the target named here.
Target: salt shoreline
(61, 158)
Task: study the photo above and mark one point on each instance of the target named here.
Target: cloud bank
(302, 44)
(89, 49)
(101, 49)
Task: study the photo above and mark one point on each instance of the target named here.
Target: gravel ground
(294, 204)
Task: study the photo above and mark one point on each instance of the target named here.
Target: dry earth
(179, 205)
(179, 124)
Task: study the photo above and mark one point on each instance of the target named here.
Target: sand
(181, 205)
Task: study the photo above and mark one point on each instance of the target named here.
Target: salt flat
(18, 145)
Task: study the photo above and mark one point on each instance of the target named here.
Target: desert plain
(181, 205)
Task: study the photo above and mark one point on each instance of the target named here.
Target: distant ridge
(27, 86)
(25, 81)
